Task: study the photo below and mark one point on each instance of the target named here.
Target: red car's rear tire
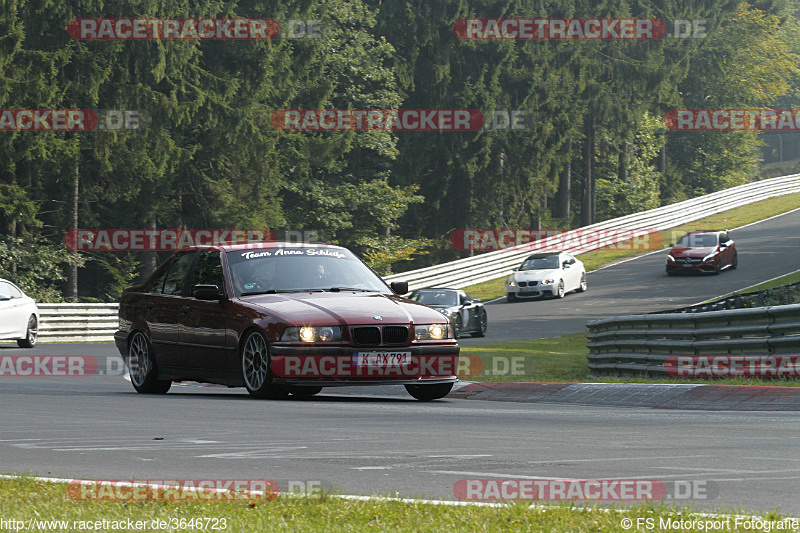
(142, 367)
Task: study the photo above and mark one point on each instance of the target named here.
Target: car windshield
(284, 269)
(541, 262)
(445, 298)
(696, 240)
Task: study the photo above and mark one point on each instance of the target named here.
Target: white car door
(9, 308)
(572, 274)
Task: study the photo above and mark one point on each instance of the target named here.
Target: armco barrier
(77, 322)
(639, 344)
(491, 265)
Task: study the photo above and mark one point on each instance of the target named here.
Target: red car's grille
(366, 336)
(374, 335)
(395, 334)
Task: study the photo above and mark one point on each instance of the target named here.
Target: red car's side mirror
(399, 287)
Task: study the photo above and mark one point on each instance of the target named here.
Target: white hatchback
(19, 316)
(542, 275)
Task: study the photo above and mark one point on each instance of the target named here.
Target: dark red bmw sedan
(281, 319)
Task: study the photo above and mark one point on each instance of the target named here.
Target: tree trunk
(150, 260)
(588, 209)
(565, 186)
(72, 275)
(387, 232)
(12, 231)
(622, 168)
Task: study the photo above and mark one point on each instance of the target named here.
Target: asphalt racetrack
(381, 442)
(376, 441)
(766, 250)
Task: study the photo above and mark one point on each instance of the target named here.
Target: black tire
(583, 286)
(427, 393)
(483, 324)
(560, 290)
(717, 268)
(458, 326)
(304, 392)
(31, 334)
(510, 298)
(256, 372)
(142, 366)
(735, 261)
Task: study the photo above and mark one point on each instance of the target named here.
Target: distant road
(766, 250)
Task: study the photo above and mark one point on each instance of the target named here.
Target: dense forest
(205, 152)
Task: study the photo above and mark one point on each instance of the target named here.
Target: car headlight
(548, 281)
(312, 334)
(710, 256)
(511, 283)
(433, 332)
(670, 258)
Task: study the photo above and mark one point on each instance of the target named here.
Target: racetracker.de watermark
(765, 120)
(59, 366)
(365, 364)
(42, 120)
(710, 366)
(146, 29)
(162, 240)
(330, 120)
(544, 240)
(573, 29)
(551, 489)
(174, 490)
(470, 366)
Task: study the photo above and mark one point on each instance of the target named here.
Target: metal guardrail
(640, 344)
(492, 265)
(77, 322)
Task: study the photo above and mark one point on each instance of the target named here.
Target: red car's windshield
(704, 240)
(283, 269)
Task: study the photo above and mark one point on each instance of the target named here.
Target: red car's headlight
(433, 332)
(312, 334)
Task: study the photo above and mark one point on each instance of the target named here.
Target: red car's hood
(331, 308)
(685, 251)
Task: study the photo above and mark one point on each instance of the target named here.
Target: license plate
(381, 358)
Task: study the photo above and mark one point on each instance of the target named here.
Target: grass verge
(788, 279)
(560, 359)
(25, 499)
(733, 218)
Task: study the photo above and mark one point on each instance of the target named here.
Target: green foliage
(36, 266)
(751, 61)
(640, 190)
(122, 270)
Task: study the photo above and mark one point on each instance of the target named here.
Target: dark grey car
(468, 315)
